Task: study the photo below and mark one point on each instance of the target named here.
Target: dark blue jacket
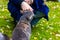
(14, 7)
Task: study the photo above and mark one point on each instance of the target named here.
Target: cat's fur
(22, 31)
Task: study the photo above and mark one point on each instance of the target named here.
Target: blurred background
(44, 30)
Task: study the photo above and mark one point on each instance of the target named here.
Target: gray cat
(22, 31)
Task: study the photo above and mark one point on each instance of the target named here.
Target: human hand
(44, 2)
(26, 6)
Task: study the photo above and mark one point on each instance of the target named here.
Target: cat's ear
(30, 16)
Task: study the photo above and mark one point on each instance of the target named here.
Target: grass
(44, 30)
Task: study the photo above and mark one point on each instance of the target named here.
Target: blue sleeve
(40, 6)
(16, 2)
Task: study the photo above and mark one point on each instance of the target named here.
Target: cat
(22, 31)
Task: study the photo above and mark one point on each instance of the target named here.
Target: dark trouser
(38, 16)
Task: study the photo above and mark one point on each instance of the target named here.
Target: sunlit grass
(44, 30)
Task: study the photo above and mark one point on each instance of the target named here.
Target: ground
(44, 30)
